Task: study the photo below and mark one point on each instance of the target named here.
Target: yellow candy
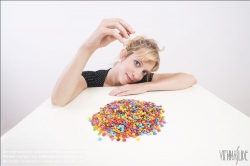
(138, 139)
(151, 133)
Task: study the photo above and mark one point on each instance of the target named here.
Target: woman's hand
(108, 31)
(129, 89)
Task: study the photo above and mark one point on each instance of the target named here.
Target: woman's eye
(137, 63)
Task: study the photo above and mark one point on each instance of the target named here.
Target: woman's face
(132, 69)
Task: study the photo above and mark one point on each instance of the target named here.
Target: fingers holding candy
(108, 31)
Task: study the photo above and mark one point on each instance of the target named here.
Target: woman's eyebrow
(140, 61)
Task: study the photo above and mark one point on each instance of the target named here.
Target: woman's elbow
(190, 80)
(193, 80)
(57, 104)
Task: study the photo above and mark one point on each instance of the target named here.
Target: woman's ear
(123, 54)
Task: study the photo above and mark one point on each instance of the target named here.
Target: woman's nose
(137, 74)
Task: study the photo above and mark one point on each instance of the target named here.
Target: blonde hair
(145, 49)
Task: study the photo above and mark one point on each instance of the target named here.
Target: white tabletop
(199, 126)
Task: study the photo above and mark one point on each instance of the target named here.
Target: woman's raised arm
(101, 37)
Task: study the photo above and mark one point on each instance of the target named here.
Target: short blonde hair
(145, 49)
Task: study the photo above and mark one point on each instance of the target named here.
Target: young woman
(132, 73)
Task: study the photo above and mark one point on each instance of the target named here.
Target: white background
(209, 40)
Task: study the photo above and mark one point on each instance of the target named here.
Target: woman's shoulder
(96, 71)
(95, 78)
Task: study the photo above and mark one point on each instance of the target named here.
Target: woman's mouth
(128, 78)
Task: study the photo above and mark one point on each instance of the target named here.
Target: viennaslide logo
(233, 155)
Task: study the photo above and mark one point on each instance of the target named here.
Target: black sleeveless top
(97, 78)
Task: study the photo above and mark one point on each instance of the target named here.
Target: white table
(199, 126)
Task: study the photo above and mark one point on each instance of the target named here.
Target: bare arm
(171, 81)
(70, 83)
(165, 81)
(68, 80)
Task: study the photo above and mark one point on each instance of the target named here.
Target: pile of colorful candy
(126, 118)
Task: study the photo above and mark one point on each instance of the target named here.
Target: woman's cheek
(129, 68)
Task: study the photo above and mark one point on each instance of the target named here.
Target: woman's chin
(123, 82)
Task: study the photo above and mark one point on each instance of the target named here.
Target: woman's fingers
(123, 93)
(108, 31)
(121, 25)
(119, 90)
(117, 25)
(114, 33)
(124, 24)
